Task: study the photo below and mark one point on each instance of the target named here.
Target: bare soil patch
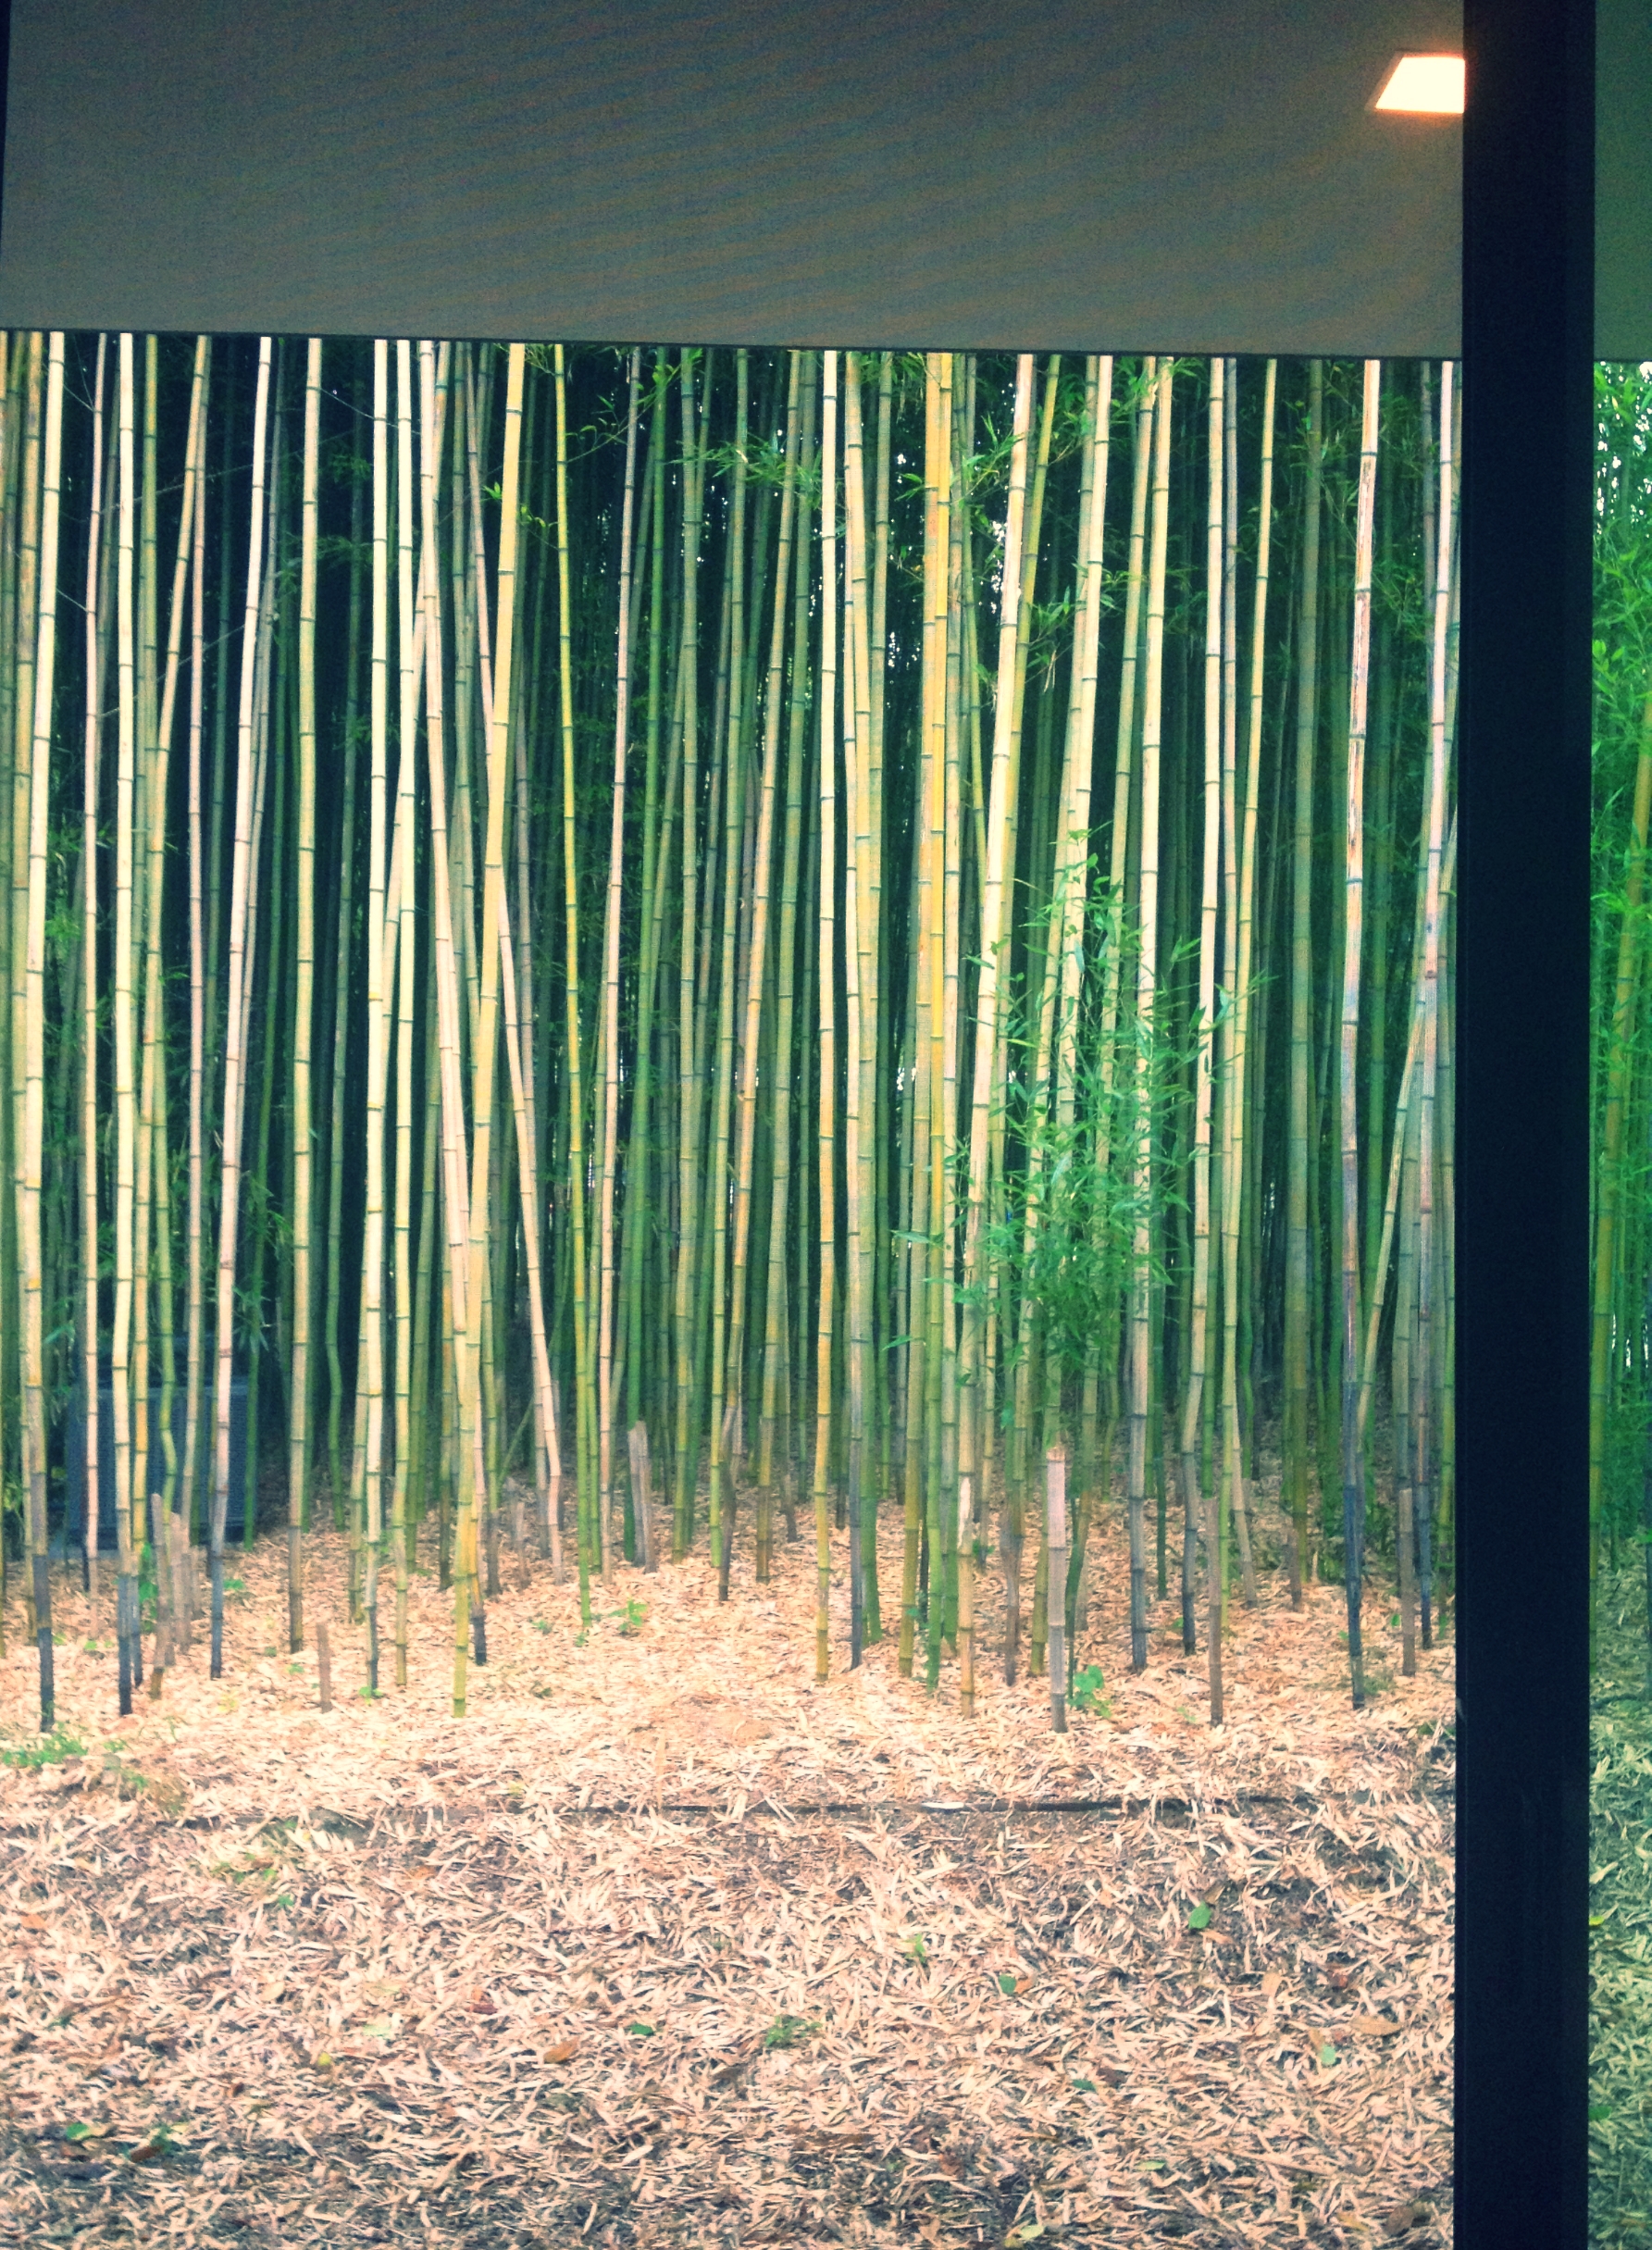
(665, 1945)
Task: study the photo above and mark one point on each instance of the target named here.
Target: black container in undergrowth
(75, 1461)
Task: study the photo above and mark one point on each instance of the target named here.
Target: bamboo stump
(966, 1597)
(1055, 1539)
(642, 1511)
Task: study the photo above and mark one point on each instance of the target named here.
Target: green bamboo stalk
(720, 1494)
(609, 1160)
(1427, 1125)
(757, 974)
(1197, 1507)
(246, 797)
(96, 645)
(1146, 995)
(778, 1297)
(33, 1352)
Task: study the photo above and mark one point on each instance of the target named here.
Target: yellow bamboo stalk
(939, 744)
(194, 1284)
(995, 907)
(143, 933)
(1124, 752)
(827, 1018)
(1073, 844)
(96, 624)
(943, 1597)
(866, 893)
(1353, 1510)
(126, 1120)
(400, 971)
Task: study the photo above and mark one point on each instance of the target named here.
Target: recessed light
(1426, 85)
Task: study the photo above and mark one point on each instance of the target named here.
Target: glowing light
(1425, 85)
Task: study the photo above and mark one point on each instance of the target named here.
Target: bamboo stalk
(33, 1354)
(239, 998)
(96, 643)
(826, 1011)
(125, 1091)
(1353, 1493)
(298, 1401)
(584, 1430)
(1055, 1501)
(1146, 983)
(757, 963)
(1205, 1027)
(611, 931)
(733, 777)
(1294, 1442)
(1439, 699)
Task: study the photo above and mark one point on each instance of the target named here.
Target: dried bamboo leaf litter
(665, 1944)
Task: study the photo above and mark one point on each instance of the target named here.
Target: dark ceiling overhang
(992, 173)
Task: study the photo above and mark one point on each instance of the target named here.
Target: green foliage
(1071, 1200)
(629, 1619)
(789, 2031)
(50, 1750)
(1087, 1692)
(1625, 1451)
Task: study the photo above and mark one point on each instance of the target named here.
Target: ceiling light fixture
(1423, 85)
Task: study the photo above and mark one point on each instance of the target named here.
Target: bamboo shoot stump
(1055, 1503)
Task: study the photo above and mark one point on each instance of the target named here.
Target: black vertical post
(1523, 1124)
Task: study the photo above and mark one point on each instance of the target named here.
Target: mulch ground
(665, 1945)
(1620, 1923)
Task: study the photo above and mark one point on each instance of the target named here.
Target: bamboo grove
(1620, 1327)
(661, 945)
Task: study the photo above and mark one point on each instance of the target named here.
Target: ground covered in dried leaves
(1620, 1923)
(665, 1945)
